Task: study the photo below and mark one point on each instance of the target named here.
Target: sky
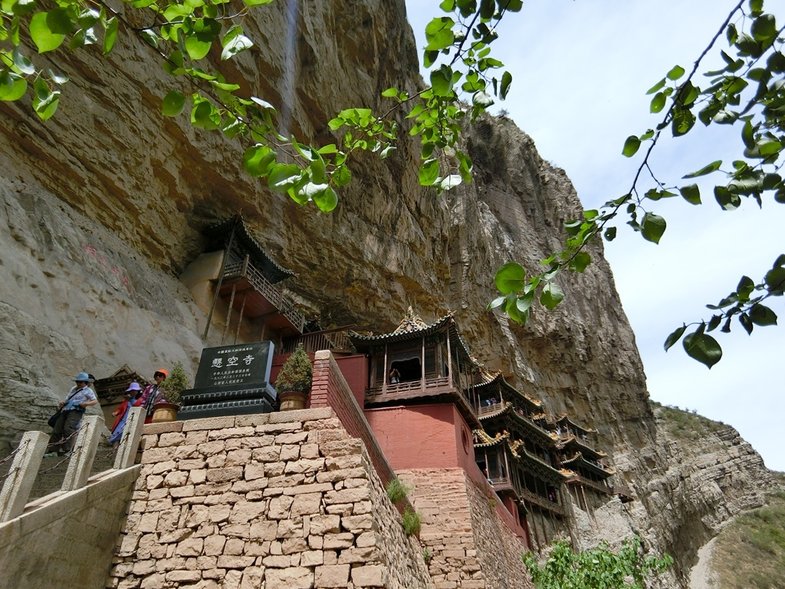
(580, 71)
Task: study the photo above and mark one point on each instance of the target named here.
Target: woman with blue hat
(132, 399)
(79, 398)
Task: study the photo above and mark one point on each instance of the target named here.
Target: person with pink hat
(132, 399)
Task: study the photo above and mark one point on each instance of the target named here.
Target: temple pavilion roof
(575, 443)
(579, 460)
(566, 420)
(412, 327)
(219, 234)
(490, 379)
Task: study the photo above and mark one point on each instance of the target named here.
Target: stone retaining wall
(67, 539)
(470, 546)
(282, 500)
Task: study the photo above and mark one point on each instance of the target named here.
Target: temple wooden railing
(540, 501)
(605, 489)
(488, 409)
(502, 484)
(244, 269)
(329, 339)
(430, 384)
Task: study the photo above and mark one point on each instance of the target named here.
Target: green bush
(397, 491)
(598, 568)
(411, 522)
(175, 384)
(296, 373)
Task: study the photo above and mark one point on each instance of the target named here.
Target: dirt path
(701, 576)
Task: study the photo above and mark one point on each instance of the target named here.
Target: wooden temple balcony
(429, 387)
(502, 484)
(266, 299)
(597, 486)
(528, 497)
(336, 340)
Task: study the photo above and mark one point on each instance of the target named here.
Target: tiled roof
(219, 233)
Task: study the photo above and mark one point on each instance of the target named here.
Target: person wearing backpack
(69, 416)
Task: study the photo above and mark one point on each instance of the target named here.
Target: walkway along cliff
(106, 264)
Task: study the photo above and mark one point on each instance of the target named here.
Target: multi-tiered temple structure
(429, 402)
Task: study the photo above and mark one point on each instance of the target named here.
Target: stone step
(52, 470)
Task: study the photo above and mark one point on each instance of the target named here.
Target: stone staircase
(52, 470)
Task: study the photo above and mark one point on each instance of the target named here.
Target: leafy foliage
(748, 93)
(397, 490)
(296, 373)
(598, 568)
(175, 384)
(411, 522)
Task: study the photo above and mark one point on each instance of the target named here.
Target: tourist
(70, 415)
(395, 376)
(152, 394)
(132, 399)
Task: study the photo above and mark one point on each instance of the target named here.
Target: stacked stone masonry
(469, 546)
(282, 500)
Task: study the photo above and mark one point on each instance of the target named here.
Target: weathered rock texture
(470, 547)
(283, 500)
(104, 204)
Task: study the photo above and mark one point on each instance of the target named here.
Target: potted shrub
(171, 389)
(294, 381)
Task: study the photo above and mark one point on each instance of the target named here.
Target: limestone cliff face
(104, 204)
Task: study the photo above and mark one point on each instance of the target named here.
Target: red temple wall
(423, 436)
(354, 369)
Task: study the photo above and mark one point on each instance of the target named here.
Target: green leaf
(652, 227)
(46, 106)
(744, 288)
(497, 302)
(438, 34)
(775, 280)
(326, 199)
(110, 34)
(580, 261)
(258, 159)
(43, 37)
(691, 194)
(328, 149)
(610, 233)
(450, 182)
(631, 146)
(441, 81)
(505, 85)
(703, 348)
(342, 176)
(429, 172)
(676, 72)
(59, 21)
(510, 278)
(764, 28)
(257, 2)
(656, 87)
(658, 102)
(761, 315)
(12, 86)
(551, 296)
(234, 42)
(674, 337)
(197, 46)
(173, 104)
(283, 176)
(390, 93)
(225, 86)
(708, 169)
